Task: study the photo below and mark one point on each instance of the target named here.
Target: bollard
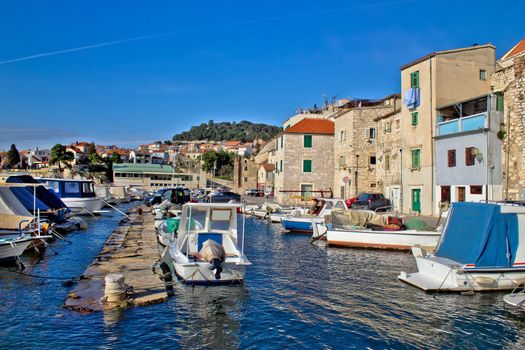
(115, 290)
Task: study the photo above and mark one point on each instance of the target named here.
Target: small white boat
(17, 234)
(214, 225)
(78, 195)
(366, 229)
(303, 223)
(482, 248)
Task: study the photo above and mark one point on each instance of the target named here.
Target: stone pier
(131, 251)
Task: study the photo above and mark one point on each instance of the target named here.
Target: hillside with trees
(243, 131)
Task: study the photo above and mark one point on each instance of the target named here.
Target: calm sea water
(296, 296)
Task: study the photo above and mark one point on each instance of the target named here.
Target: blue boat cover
(479, 234)
(47, 197)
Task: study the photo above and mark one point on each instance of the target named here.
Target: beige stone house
(244, 174)
(265, 177)
(437, 79)
(303, 161)
(508, 82)
(355, 136)
(388, 153)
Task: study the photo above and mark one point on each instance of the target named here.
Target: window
(71, 187)
(372, 185)
(282, 141)
(476, 189)
(53, 185)
(469, 157)
(373, 160)
(342, 161)
(306, 191)
(245, 168)
(461, 194)
(307, 141)
(397, 124)
(340, 204)
(342, 135)
(451, 158)
(277, 167)
(416, 158)
(281, 165)
(445, 194)
(307, 166)
(387, 161)
(245, 179)
(414, 79)
(415, 118)
(500, 103)
(482, 74)
(370, 133)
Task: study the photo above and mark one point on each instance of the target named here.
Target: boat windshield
(220, 219)
(198, 218)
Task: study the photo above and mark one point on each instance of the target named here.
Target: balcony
(469, 123)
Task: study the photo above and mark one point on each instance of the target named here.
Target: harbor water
(296, 295)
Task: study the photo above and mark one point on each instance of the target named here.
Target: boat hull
(84, 206)
(442, 275)
(301, 225)
(198, 273)
(396, 240)
(11, 251)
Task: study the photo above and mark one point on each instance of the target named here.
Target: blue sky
(220, 60)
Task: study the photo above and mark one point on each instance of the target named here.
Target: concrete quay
(131, 251)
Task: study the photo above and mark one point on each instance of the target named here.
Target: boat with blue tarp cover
(482, 248)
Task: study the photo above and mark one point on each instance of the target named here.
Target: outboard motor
(216, 267)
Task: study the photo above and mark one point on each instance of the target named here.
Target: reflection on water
(296, 295)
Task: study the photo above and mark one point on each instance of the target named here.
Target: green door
(416, 200)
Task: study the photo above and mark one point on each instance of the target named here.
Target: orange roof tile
(312, 126)
(518, 48)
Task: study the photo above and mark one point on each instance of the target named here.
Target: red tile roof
(518, 48)
(268, 167)
(312, 126)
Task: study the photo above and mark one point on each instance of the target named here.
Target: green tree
(93, 156)
(59, 155)
(13, 157)
(115, 158)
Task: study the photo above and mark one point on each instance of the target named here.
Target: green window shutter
(307, 142)
(415, 118)
(416, 158)
(414, 79)
(307, 166)
(500, 103)
(281, 165)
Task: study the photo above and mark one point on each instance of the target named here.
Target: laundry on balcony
(411, 97)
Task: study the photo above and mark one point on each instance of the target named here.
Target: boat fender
(216, 267)
(485, 281)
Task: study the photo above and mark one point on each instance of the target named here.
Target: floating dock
(130, 251)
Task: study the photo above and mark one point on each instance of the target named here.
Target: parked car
(254, 192)
(177, 195)
(371, 201)
(223, 197)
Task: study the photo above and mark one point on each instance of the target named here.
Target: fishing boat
(482, 248)
(303, 222)
(367, 229)
(78, 195)
(209, 248)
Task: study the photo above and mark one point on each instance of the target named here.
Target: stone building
(265, 177)
(389, 153)
(244, 174)
(303, 161)
(437, 79)
(354, 153)
(509, 83)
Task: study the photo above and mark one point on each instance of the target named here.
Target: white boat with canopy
(209, 248)
(482, 248)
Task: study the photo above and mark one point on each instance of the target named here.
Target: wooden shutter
(469, 158)
(307, 166)
(451, 158)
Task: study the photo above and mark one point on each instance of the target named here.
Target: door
(461, 194)
(395, 196)
(306, 191)
(416, 200)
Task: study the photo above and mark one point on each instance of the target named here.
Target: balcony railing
(471, 122)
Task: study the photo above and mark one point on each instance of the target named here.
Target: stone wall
(292, 176)
(510, 82)
(244, 174)
(352, 152)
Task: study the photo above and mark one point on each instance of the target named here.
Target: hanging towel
(411, 97)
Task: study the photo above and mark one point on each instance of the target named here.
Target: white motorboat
(205, 225)
(303, 223)
(516, 299)
(17, 233)
(482, 248)
(78, 195)
(366, 229)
